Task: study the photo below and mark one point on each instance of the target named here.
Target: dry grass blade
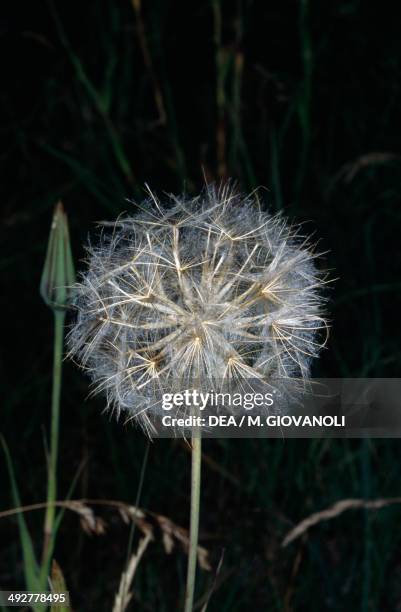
(348, 171)
(370, 159)
(172, 532)
(93, 524)
(124, 594)
(90, 523)
(58, 585)
(333, 511)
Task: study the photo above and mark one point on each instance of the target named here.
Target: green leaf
(31, 570)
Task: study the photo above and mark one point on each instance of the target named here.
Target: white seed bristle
(208, 289)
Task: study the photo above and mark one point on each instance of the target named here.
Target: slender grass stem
(304, 101)
(194, 520)
(59, 317)
(221, 71)
(125, 585)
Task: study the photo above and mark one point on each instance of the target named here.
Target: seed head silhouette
(204, 289)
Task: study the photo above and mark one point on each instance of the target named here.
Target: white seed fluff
(209, 289)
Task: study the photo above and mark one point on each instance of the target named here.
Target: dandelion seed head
(206, 289)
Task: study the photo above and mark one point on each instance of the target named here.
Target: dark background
(299, 98)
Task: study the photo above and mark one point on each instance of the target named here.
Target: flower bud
(58, 274)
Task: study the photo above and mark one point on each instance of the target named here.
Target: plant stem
(59, 317)
(194, 521)
(221, 70)
(304, 102)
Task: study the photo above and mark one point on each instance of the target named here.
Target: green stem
(221, 69)
(59, 317)
(194, 524)
(305, 96)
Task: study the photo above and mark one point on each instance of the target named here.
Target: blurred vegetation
(299, 98)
